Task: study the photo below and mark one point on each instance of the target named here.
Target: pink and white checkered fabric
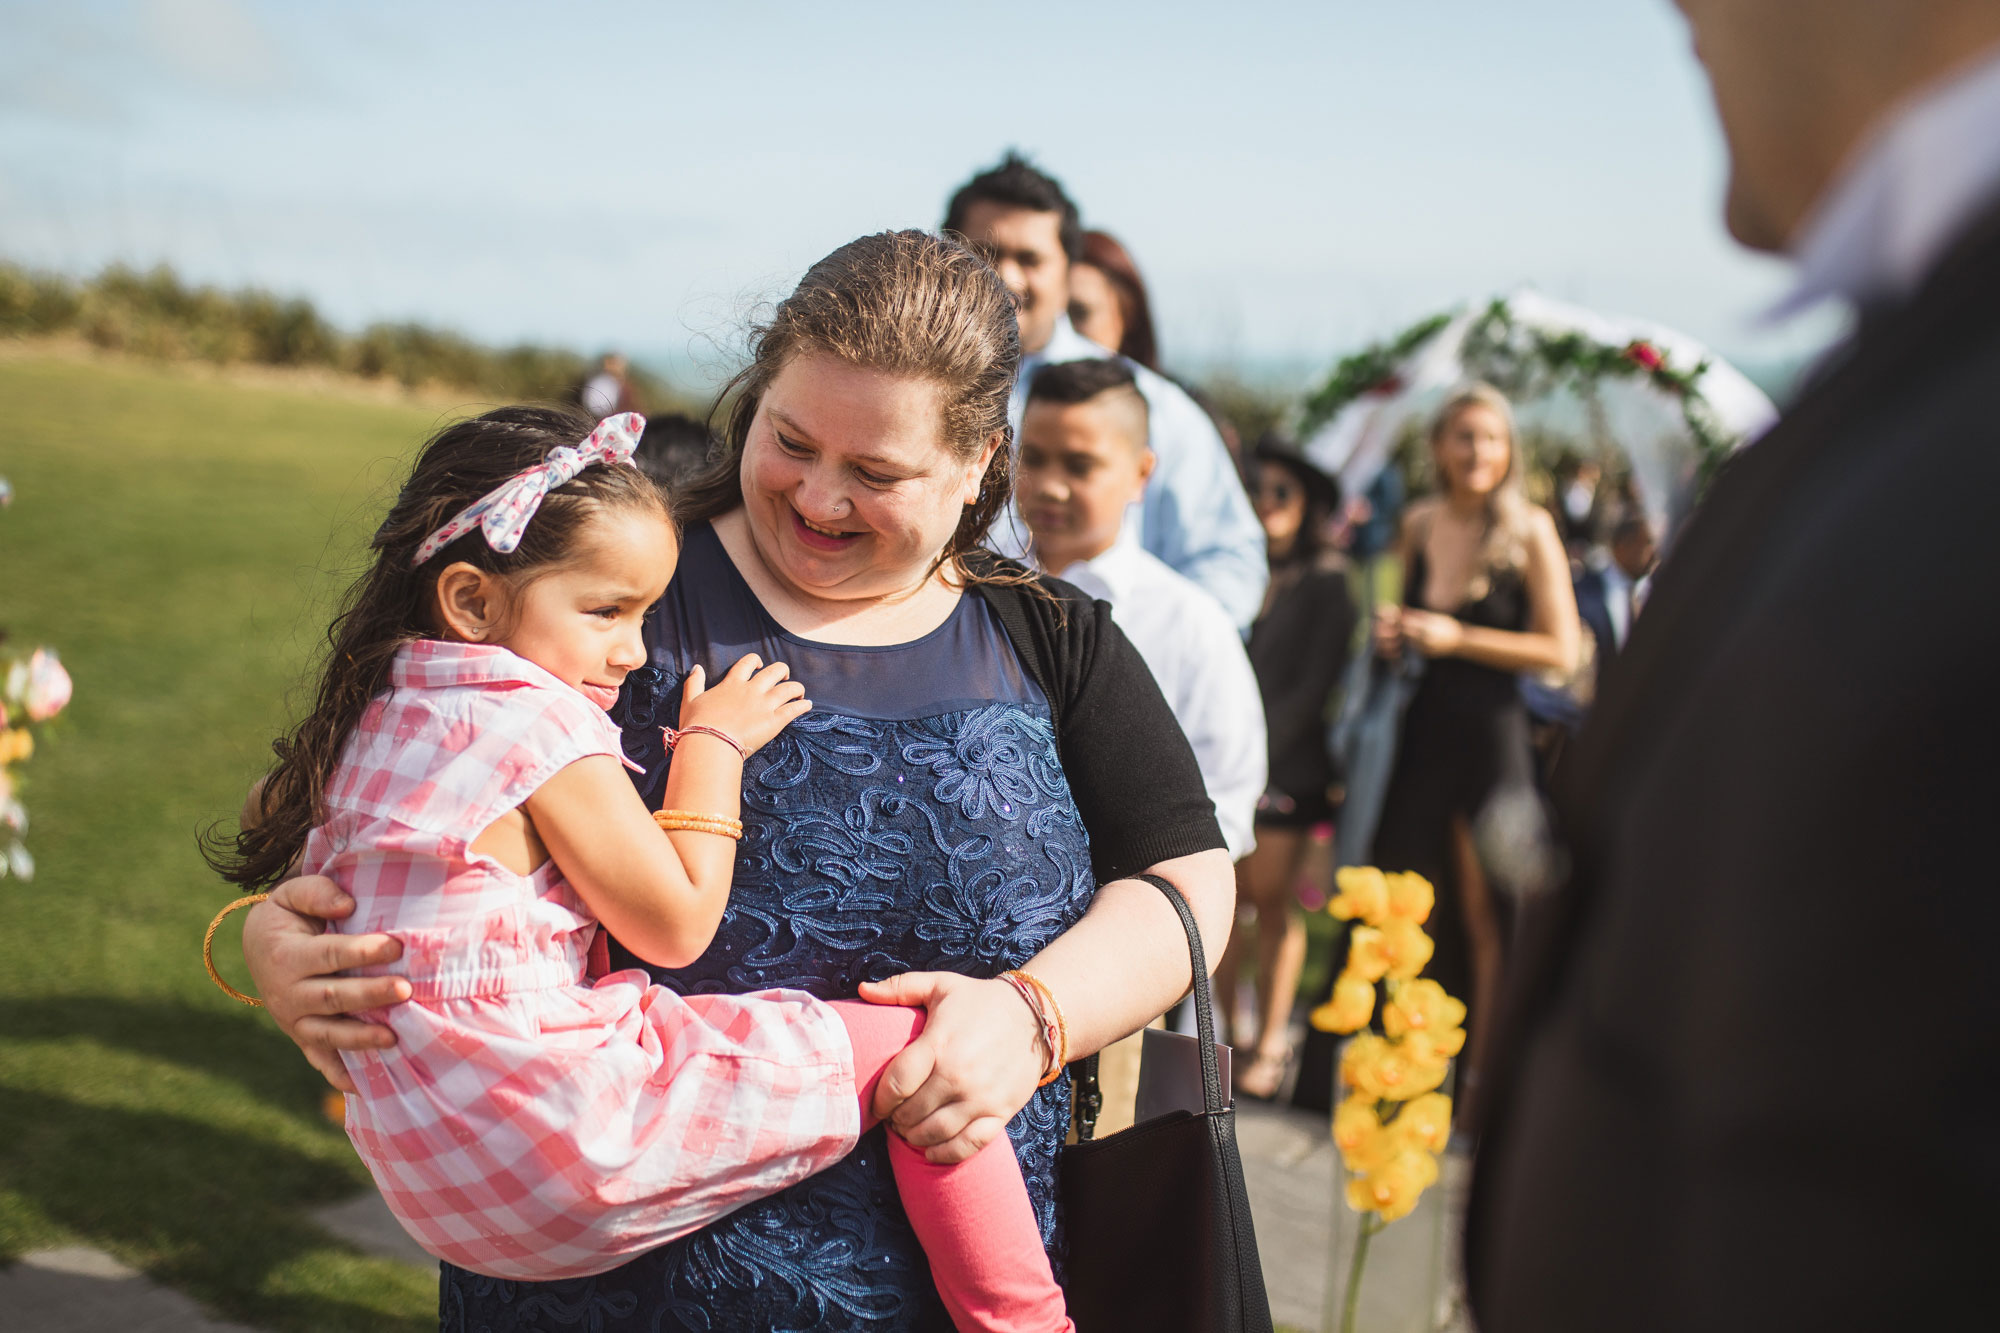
(528, 1124)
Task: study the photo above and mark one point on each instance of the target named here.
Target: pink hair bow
(503, 512)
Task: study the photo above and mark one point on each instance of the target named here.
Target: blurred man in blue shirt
(1195, 515)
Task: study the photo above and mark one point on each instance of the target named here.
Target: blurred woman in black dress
(1486, 596)
(1299, 647)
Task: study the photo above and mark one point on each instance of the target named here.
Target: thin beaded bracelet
(695, 821)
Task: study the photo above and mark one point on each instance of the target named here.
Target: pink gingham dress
(529, 1124)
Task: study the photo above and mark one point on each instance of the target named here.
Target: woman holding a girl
(957, 804)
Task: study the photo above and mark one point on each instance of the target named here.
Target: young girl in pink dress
(459, 777)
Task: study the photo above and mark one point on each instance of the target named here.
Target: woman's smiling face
(850, 488)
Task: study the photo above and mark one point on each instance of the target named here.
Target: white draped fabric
(1644, 421)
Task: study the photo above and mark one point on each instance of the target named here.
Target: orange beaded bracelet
(695, 821)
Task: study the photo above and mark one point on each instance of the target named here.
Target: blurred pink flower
(48, 686)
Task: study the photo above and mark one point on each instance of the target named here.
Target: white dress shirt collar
(1114, 573)
(1912, 189)
(1066, 344)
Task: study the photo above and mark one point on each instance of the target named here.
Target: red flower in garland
(1390, 383)
(1646, 355)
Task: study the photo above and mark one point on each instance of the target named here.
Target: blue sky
(1295, 179)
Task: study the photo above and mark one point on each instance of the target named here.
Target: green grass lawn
(178, 541)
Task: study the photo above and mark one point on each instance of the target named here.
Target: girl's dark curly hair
(391, 605)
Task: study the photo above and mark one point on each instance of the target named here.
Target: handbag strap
(1089, 1097)
(1204, 1008)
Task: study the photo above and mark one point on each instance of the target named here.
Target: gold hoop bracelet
(694, 821)
(208, 949)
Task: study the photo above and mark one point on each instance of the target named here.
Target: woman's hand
(975, 1064)
(293, 961)
(1388, 631)
(1431, 634)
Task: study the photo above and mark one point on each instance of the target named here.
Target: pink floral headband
(503, 512)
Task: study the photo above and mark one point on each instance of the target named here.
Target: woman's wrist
(1051, 1027)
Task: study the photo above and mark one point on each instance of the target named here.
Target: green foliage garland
(1526, 363)
(1368, 369)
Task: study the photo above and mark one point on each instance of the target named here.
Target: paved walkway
(1288, 1158)
(1290, 1166)
(78, 1290)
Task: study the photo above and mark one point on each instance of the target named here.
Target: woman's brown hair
(1508, 513)
(1102, 252)
(905, 303)
(391, 605)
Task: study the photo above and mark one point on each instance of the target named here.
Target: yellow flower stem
(1370, 1224)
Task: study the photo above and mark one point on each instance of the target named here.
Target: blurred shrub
(156, 314)
(1251, 408)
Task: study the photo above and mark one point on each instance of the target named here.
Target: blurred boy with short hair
(1084, 463)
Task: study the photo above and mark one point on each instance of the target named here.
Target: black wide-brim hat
(1322, 490)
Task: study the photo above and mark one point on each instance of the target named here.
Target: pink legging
(974, 1219)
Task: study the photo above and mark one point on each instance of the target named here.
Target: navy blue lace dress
(916, 820)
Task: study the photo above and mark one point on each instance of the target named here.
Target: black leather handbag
(1158, 1220)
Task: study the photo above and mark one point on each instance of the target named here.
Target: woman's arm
(980, 1055)
(1550, 642)
(295, 965)
(1125, 962)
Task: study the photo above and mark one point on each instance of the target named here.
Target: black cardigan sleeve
(1128, 763)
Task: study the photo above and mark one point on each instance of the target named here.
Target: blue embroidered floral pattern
(870, 848)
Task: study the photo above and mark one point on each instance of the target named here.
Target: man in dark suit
(1750, 1070)
(1608, 599)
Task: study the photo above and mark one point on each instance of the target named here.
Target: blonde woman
(1486, 596)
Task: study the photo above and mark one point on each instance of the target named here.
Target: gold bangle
(208, 950)
(694, 821)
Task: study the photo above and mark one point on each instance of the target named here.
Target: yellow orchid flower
(1358, 1133)
(1434, 1048)
(1364, 894)
(16, 745)
(1383, 1070)
(1393, 1188)
(1405, 946)
(1420, 1006)
(1368, 954)
(1352, 1005)
(1424, 1122)
(1411, 897)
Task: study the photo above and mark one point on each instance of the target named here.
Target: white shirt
(1922, 177)
(1193, 651)
(1618, 597)
(1195, 514)
(600, 395)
